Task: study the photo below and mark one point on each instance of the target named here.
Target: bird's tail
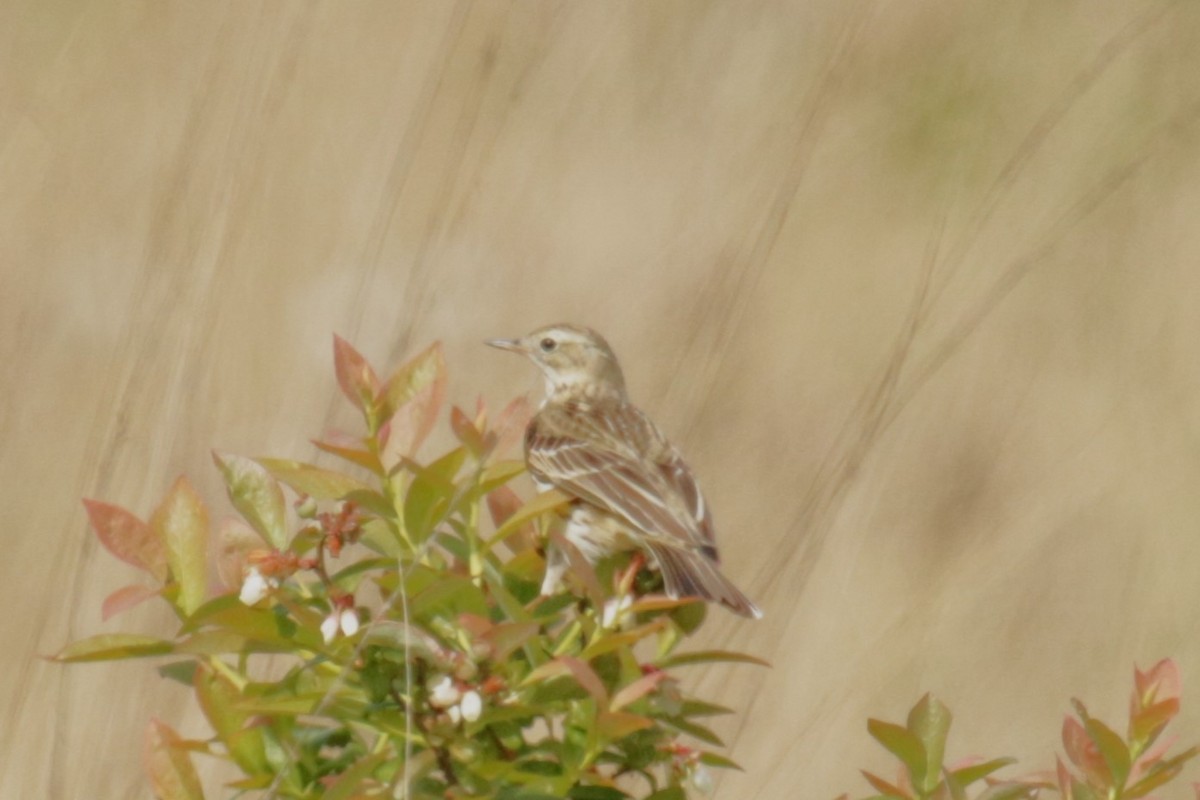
(691, 574)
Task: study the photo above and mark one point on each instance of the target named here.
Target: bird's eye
(548, 344)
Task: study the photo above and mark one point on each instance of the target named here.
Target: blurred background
(914, 285)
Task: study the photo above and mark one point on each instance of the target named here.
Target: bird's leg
(625, 579)
(556, 565)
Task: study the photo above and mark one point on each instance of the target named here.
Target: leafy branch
(398, 598)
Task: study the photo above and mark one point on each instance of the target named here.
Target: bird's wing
(616, 459)
(680, 476)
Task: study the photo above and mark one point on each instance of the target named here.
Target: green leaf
(550, 500)
(903, 744)
(694, 730)
(182, 671)
(256, 495)
(323, 484)
(500, 473)
(930, 720)
(431, 489)
(127, 537)
(255, 624)
(211, 643)
(113, 646)
(670, 793)
(453, 593)
(218, 698)
(700, 708)
(351, 780)
(182, 523)
(709, 656)
(977, 772)
(404, 384)
(1161, 773)
(1112, 748)
(715, 760)
(596, 793)
(168, 766)
(1007, 791)
(614, 725)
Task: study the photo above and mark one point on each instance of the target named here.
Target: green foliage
(398, 599)
(1102, 764)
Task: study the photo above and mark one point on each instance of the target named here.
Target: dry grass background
(914, 284)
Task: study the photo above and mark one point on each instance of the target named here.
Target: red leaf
(636, 690)
(126, 598)
(511, 423)
(580, 670)
(616, 725)
(586, 677)
(1149, 722)
(466, 431)
(237, 539)
(1158, 684)
(1064, 778)
(168, 766)
(1083, 752)
(885, 788)
(414, 419)
(349, 453)
(127, 537)
(503, 502)
(356, 378)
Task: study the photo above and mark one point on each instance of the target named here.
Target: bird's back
(610, 454)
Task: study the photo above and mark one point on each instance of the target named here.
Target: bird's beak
(507, 344)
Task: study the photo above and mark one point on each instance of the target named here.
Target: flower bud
(444, 693)
(471, 705)
(254, 587)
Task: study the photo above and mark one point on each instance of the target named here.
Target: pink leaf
(126, 598)
(586, 677)
(1083, 752)
(356, 378)
(413, 421)
(466, 431)
(168, 766)
(502, 504)
(511, 424)
(1064, 779)
(346, 448)
(236, 539)
(127, 537)
(1158, 684)
(636, 690)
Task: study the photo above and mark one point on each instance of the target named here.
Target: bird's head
(576, 361)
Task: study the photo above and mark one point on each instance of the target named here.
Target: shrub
(385, 637)
(1101, 765)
